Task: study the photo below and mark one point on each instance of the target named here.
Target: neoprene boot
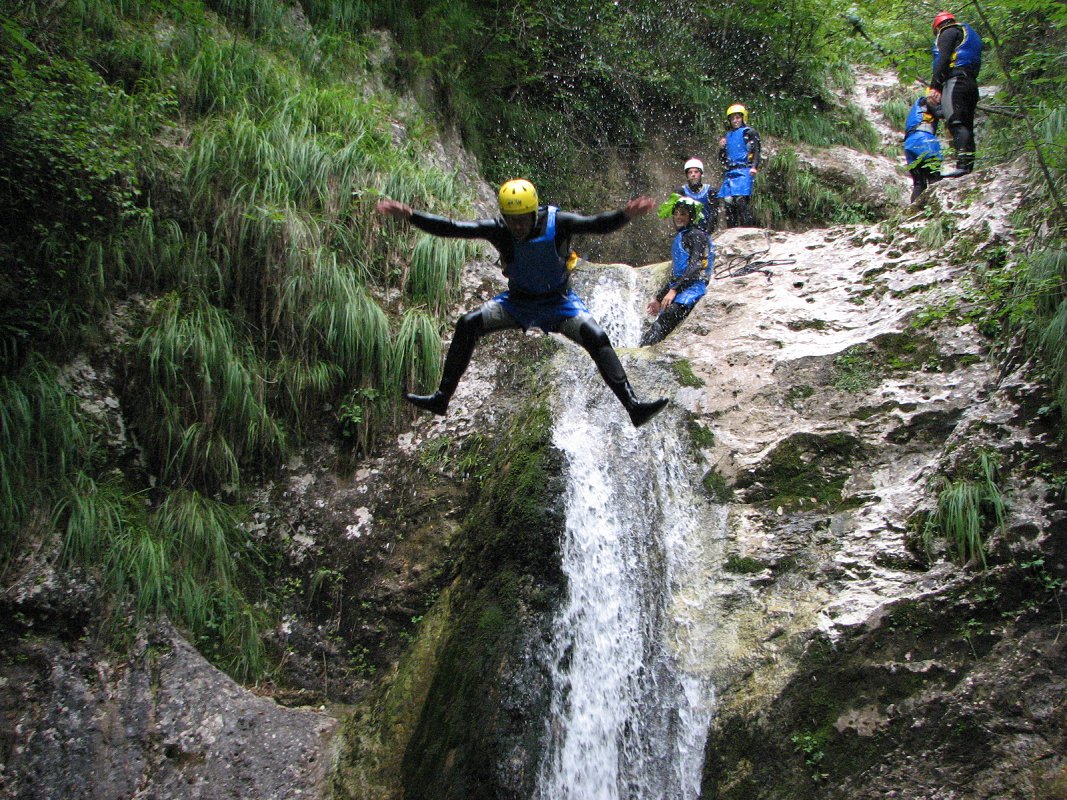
(468, 330)
(436, 402)
(639, 412)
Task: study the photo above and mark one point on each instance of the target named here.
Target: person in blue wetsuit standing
(739, 154)
(695, 188)
(954, 84)
(922, 149)
(534, 246)
(692, 259)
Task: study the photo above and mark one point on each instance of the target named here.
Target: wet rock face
(838, 387)
(162, 723)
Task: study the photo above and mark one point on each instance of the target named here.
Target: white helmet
(694, 162)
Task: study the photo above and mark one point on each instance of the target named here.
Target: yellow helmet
(737, 108)
(517, 197)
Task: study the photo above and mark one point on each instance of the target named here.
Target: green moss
(802, 468)
(683, 373)
(461, 698)
(862, 367)
(807, 324)
(744, 565)
(796, 394)
(859, 298)
(716, 486)
(700, 436)
(517, 519)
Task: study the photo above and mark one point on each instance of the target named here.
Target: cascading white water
(627, 721)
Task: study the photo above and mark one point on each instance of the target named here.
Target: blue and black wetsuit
(922, 149)
(738, 157)
(539, 295)
(692, 261)
(957, 53)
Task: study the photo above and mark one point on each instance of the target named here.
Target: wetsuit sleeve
(753, 142)
(947, 42)
(491, 230)
(568, 223)
(695, 244)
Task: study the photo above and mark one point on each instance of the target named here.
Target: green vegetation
(210, 171)
(546, 92)
(805, 468)
(683, 373)
(969, 509)
(717, 487)
(196, 180)
(700, 435)
(863, 366)
(795, 192)
(744, 565)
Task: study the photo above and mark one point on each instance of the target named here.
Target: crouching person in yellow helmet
(739, 153)
(534, 243)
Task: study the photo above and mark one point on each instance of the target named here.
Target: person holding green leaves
(692, 259)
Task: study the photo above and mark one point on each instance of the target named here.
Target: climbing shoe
(958, 172)
(436, 402)
(640, 413)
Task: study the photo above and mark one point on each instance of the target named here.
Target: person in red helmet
(954, 84)
(534, 246)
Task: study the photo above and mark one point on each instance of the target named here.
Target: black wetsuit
(958, 83)
(558, 308)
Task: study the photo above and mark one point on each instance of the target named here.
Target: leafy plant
(967, 510)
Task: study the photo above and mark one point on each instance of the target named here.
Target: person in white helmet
(695, 189)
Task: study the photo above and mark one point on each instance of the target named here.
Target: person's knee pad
(470, 326)
(586, 331)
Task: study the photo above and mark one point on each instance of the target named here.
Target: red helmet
(943, 17)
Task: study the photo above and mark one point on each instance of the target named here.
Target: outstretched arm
(567, 222)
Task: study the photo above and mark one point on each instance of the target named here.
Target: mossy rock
(487, 694)
(802, 467)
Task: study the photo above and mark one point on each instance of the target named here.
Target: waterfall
(627, 720)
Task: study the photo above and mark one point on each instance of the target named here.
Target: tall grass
(1042, 302)
(435, 268)
(789, 190)
(199, 396)
(41, 440)
(190, 558)
(968, 510)
(224, 74)
(416, 357)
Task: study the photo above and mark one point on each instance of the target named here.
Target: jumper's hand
(394, 208)
(638, 206)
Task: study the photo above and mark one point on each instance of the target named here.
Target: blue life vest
(969, 52)
(921, 146)
(680, 263)
(737, 148)
(536, 267)
(920, 119)
(704, 198)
